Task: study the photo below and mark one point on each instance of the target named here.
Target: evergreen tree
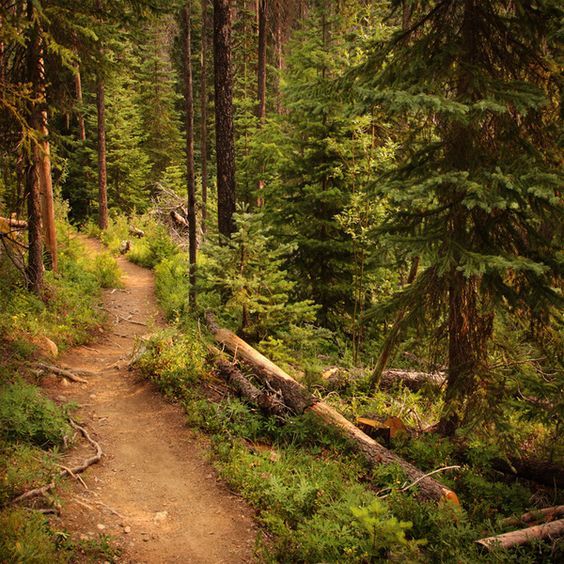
(156, 83)
(474, 193)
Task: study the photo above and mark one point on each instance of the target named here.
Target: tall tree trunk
(78, 92)
(189, 110)
(43, 159)
(102, 172)
(204, 112)
(34, 269)
(470, 325)
(261, 78)
(225, 143)
(468, 334)
(278, 54)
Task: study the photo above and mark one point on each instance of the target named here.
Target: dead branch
(267, 402)
(60, 372)
(535, 516)
(128, 320)
(551, 530)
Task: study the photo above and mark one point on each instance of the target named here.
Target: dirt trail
(154, 489)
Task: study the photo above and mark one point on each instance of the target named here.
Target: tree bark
(42, 152)
(535, 516)
(102, 171)
(267, 402)
(34, 269)
(80, 114)
(522, 536)
(204, 112)
(262, 6)
(299, 400)
(225, 142)
(190, 177)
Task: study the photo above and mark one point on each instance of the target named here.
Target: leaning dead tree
(298, 400)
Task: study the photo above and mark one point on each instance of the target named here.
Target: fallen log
(299, 400)
(295, 395)
(515, 538)
(536, 516)
(412, 379)
(10, 222)
(267, 402)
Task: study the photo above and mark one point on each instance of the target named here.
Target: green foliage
(23, 467)
(248, 273)
(174, 360)
(26, 415)
(171, 284)
(107, 271)
(26, 538)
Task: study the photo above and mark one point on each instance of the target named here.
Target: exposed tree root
(72, 376)
(36, 492)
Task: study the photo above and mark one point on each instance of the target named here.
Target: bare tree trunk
(262, 6)
(41, 150)
(204, 112)
(102, 172)
(391, 339)
(78, 91)
(225, 142)
(34, 269)
(189, 111)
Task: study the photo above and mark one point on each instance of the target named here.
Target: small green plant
(171, 284)
(28, 416)
(386, 533)
(107, 271)
(174, 361)
(26, 538)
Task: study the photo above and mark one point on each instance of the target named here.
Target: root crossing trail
(154, 491)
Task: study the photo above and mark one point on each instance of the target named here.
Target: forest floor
(154, 491)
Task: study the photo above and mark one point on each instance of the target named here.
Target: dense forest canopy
(373, 183)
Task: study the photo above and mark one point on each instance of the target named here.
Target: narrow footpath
(154, 490)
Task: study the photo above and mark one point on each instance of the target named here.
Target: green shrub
(107, 271)
(174, 361)
(26, 538)
(153, 248)
(28, 416)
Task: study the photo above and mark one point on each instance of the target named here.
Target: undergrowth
(316, 500)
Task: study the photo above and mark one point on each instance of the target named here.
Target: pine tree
(474, 193)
